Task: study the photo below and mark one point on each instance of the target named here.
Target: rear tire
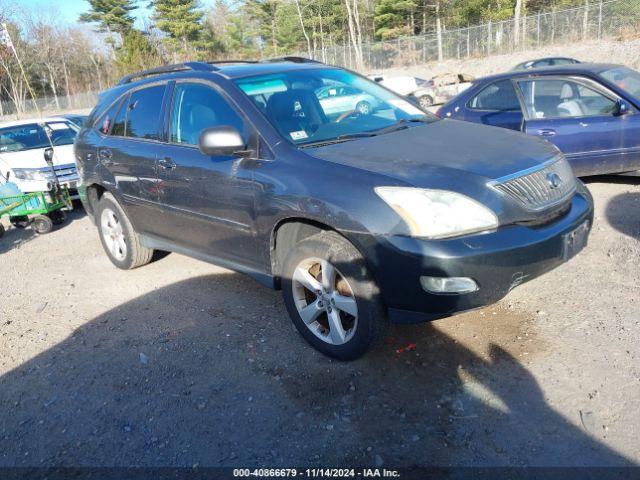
(426, 101)
(348, 299)
(120, 241)
(363, 108)
(1, 231)
(41, 224)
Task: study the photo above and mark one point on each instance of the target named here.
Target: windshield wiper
(401, 124)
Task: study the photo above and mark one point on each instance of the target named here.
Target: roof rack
(178, 67)
(222, 62)
(291, 59)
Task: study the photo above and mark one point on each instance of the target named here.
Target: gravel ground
(182, 363)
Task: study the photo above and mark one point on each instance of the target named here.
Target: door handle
(167, 163)
(546, 132)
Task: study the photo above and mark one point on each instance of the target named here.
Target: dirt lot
(183, 363)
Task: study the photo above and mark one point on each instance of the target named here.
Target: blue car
(591, 112)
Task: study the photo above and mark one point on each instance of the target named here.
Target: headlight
(438, 213)
(24, 174)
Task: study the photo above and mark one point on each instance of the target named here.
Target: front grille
(542, 188)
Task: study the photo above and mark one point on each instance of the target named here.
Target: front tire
(41, 224)
(119, 240)
(331, 296)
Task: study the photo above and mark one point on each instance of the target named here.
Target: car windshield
(35, 135)
(625, 78)
(322, 105)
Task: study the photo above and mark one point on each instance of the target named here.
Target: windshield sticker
(299, 135)
(406, 107)
(58, 126)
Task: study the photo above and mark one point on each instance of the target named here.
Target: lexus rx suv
(361, 217)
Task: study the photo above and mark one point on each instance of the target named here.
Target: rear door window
(498, 96)
(143, 113)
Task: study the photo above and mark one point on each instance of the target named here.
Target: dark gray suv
(360, 215)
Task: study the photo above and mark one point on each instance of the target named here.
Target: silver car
(338, 99)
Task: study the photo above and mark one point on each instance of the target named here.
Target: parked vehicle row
(360, 217)
(427, 93)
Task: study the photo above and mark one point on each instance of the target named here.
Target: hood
(446, 147)
(62, 155)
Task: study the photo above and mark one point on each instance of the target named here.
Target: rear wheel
(331, 296)
(363, 108)
(426, 101)
(1, 231)
(119, 240)
(41, 224)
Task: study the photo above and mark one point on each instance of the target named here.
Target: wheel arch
(289, 231)
(94, 193)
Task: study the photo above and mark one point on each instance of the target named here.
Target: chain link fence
(613, 19)
(26, 108)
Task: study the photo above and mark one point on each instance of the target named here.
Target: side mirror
(48, 156)
(621, 108)
(223, 140)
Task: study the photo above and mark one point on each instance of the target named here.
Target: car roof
(546, 58)
(576, 68)
(17, 123)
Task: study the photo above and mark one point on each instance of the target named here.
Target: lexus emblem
(554, 180)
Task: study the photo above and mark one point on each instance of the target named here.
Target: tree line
(64, 59)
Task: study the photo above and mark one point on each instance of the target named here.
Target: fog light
(448, 284)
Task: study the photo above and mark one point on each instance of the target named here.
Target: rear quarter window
(500, 96)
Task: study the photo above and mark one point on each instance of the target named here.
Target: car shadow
(209, 371)
(16, 237)
(622, 211)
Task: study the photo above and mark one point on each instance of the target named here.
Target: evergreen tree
(110, 15)
(180, 20)
(393, 18)
(136, 53)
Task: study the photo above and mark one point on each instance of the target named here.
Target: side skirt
(156, 243)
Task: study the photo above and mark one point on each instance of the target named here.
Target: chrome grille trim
(533, 189)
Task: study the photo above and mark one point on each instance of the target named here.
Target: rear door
(579, 118)
(128, 151)
(208, 201)
(497, 104)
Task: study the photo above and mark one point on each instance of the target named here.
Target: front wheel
(331, 297)
(41, 224)
(119, 240)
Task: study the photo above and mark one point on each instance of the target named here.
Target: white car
(22, 146)
(340, 99)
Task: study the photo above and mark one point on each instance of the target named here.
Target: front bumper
(498, 262)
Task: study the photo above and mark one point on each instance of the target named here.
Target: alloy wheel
(113, 234)
(325, 301)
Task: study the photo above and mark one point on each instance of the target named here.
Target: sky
(71, 9)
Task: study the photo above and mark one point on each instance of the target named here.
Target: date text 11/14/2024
(317, 473)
